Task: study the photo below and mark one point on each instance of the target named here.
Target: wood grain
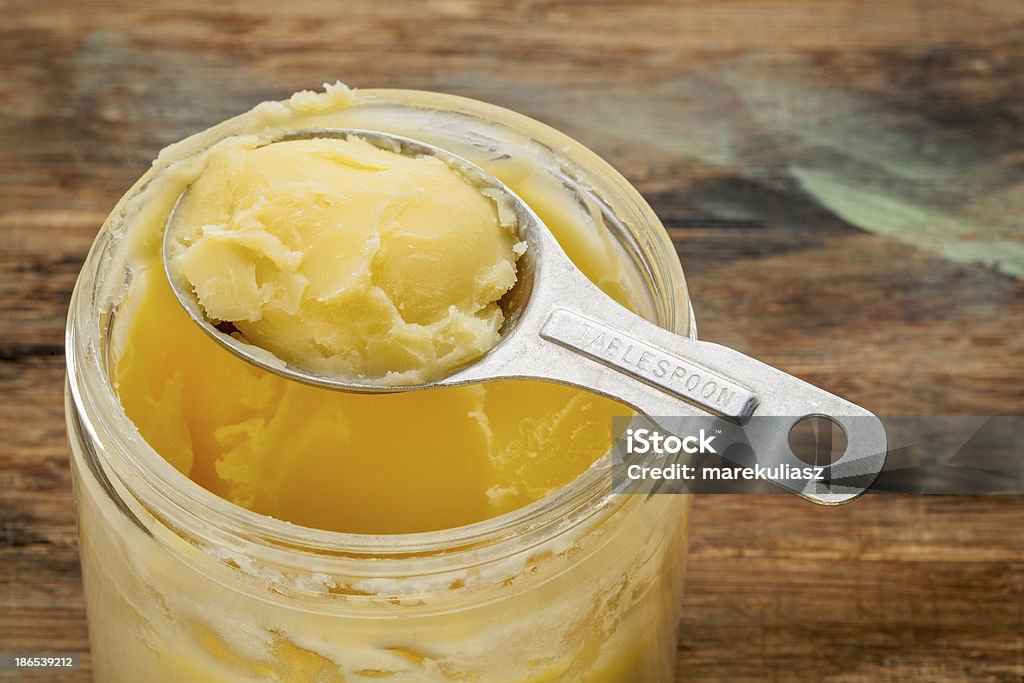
(844, 182)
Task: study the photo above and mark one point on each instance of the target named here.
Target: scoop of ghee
(347, 260)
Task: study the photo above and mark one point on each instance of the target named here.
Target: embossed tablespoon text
(559, 327)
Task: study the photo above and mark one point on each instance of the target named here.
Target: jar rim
(151, 486)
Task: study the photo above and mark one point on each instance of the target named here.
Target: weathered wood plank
(844, 182)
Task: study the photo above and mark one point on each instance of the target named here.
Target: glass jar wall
(181, 584)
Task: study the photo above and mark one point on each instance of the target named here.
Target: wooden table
(845, 184)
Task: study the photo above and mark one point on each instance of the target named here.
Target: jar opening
(150, 488)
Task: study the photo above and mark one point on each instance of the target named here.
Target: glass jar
(582, 585)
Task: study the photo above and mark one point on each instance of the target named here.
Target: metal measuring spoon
(559, 327)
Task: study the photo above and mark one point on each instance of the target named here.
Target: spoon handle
(673, 377)
(575, 334)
